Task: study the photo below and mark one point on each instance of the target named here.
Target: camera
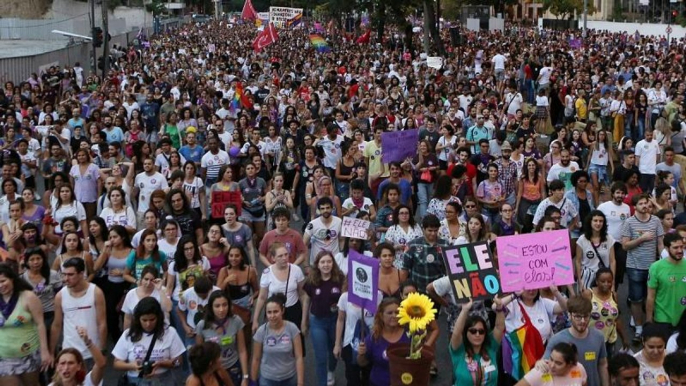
(146, 368)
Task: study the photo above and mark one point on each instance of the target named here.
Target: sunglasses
(477, 331)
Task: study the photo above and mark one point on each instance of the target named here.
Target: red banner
(221, 199)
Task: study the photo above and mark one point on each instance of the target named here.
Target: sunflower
(417, 310)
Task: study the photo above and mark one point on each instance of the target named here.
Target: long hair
(56, 379)
(123, 233)
(201, 357)
(588, 230)
(472, 321)
(443, 188)
(482, 231)
(146, 306)
(315, 276)
(30, 225)
(244, 257)
(396, 217)
(180, 262)
(79, 245)
(168, 201)
(377, 327)
(525, 170)
(141, 252)
(210, 317)
(18, 283)
(92, 239)
(45, 266)
(59, 198)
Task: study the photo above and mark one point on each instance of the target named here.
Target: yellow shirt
(581, 108)
(373, 152)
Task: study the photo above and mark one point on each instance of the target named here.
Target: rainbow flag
(319, 43)
(238, 93)
(519, 353)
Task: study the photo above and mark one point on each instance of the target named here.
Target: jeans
(178, 325)
(424, 193)
(628, 126)
(647, 182)
(323, 334)
(640, 129)
(292, 381)
(638, 281)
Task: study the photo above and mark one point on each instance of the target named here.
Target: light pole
(585, 17)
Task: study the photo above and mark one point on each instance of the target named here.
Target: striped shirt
(645, 253)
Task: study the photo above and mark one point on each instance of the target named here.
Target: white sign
(280, 16)
(43, 130)
(362, 285)
(263, 15)
(355, 228)
(434, 62)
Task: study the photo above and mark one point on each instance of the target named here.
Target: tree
(566, 9)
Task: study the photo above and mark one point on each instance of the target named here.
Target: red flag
(364, 39)
(248, 11)
(265, 38)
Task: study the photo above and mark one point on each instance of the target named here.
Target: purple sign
(363, 281)
(575, 43)
(398, 145)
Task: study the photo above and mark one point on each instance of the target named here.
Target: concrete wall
(643, 28)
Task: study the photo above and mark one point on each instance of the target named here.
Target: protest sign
(535, 260)
(355, 228)
(363, 281)
(398, 145)
(42, 130)
(471, 272)
(283, 17)
(221, 199)
(434, 62)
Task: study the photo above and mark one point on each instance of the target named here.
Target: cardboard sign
(535, 260)
(221, 199)
(472, 272)
(355, 228)
(281, 16)
(434, 62)
(398, 145)
(363, 281)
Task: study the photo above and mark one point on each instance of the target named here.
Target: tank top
(599, 156)
(18, 334)
(346, 170)
(604, 315)
(216, 263)
(240, 292)
(115, 263)
(80, 312)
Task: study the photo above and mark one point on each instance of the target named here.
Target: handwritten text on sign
(355, 228)
(398, 145)
(221, 199)
(471, 272)
(536, 260)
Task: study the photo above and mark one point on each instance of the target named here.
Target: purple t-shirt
(86, 185)
(376, 354)
(324, 298)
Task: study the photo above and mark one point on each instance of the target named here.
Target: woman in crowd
(147, 253)
(350, 243)
(389, 275)
(118, 213)
(506, 226)
(594, 249)
(72, 246)
(631, 179)
(124, 174)
(149, 285)
(425, 165)
(97, 236)
(67, 205)
(147, 328)
(237, 233)
(206, 366)
(563, 369)
(86, 179)
(652, 355)
(253, 191)
(476, 231)
(324, 286)
(170, 236)
(599, 157)
(345, 169)
(530, 193)
(581, 198)
(225, 183)
(216, 250)
(605, 315)
(278, 353)
(285, 278)
(11, 230)
(70, 367)
(114, 257)
(23, 339)
(442, 196)
(473, 349)
(385, 331)
(150, 222)
(541, 311)
(225, 328)
(451, 226)
(278, 197)
(33, 213)
(46, 282)
(239, 280)
(195, 189)
(403, 230)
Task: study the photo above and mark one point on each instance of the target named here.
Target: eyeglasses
(470, 206)
(579, 318)
(477, 331)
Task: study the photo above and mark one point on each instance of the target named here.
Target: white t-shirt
(499, 62)
(193, 190)
(191, 303)
(274, 285)
(168, 346)
(540, 314)
(353, 313)
(162, 161)
(332, 150)
(615, 215)
(75, 209)
(146, 185)
(544, 75)
(132, 299)
(213, 162)
(126, 217)
(348, 204)
(323, 237)
(671, 343)
(648, 151)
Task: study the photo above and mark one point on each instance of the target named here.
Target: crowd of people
(119, 240)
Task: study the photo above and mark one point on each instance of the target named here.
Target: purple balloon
(233, 152)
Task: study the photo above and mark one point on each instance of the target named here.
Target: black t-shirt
(432, 136)
(188, 221)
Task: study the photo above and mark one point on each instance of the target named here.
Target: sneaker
(330, 379)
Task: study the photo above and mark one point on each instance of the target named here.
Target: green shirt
(669, 282)
(488, 371)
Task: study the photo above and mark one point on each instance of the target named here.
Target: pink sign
(535, 260)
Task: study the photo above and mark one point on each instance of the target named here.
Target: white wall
(643, 28)
(133, 18)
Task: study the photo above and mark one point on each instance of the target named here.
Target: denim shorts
(600, 171)
(638, 284)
